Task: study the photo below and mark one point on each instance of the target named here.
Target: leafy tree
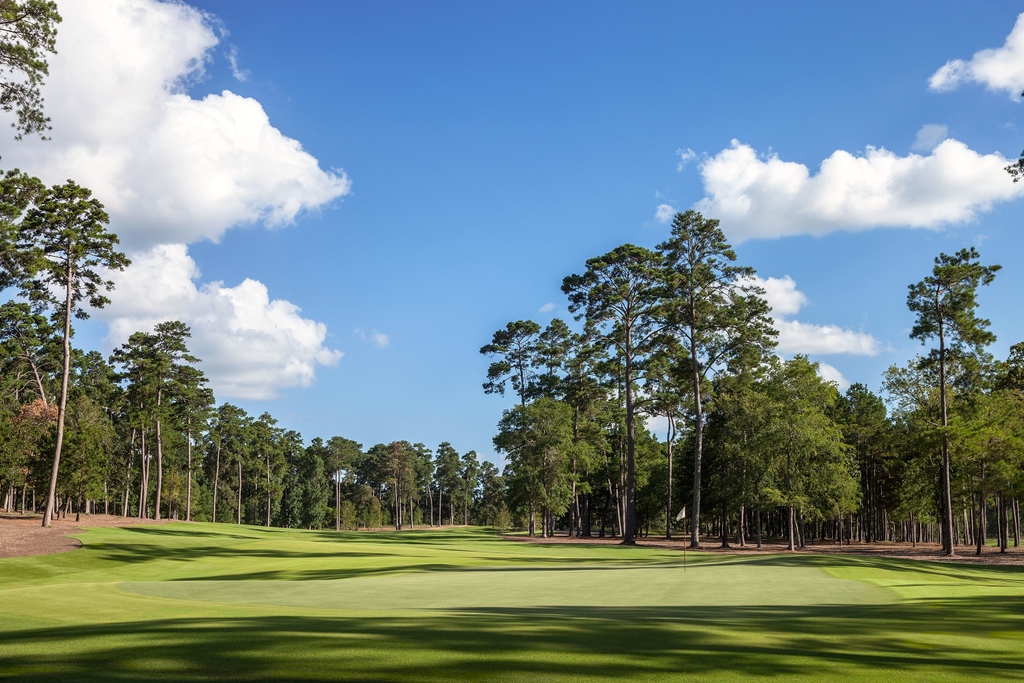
(667, 388)
(717, 312)
(814, 473)
(29, 351)
(18, 191)
(193, 406)
(446, 473)
(538, 440)
(228, 445)
(620, 297)
(516, 345)
(64, 237)
(424, 475)
(343, 454)
(310, 487)
(28, 30)
(469, 473)
(492, 494)
(945, 304)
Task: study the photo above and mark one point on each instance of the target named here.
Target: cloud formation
(664, 213)
(762, 196)
(378, 339)
(169, 168)
(999, 68)
(685, 156)
(831, 374)
(799, 337)
(929, 136)
(251, 346)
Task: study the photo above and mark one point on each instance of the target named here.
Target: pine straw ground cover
(181, 602)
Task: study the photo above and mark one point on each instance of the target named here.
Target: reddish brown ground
(22, 535)
(923, 551)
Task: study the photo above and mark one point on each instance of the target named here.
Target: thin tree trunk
(947, 493)
(239, 492)
(668, 492)
(698, 440)
(629, 518)
(144, 475)
(1017, 523)
(979, 535)
(216, 482)
(159, 464)
(188, 488)
(62, 407)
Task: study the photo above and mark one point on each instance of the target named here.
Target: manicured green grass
(216, 602)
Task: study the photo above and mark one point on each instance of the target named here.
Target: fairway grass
(215, 602)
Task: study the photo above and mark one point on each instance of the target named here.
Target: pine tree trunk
(1017, 523)
(668, 492)
(62, 407)
(188, 489)
(239, 492)
(698, 443)
(216, 482)
(144, 476)
(159, 464)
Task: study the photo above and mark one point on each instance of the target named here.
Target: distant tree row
(682, 333)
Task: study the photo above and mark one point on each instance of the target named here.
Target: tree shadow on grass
(950, 570)
(919, 640)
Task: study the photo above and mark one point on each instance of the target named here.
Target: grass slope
(205, 602)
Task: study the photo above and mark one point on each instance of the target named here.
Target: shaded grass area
(206, 602)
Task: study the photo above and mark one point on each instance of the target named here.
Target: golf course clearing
(180, 602)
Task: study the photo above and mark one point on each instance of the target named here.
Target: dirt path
(23, 535)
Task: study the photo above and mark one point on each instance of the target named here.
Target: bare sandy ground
(22, 535)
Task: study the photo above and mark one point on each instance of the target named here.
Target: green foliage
(28, 30)
(516, 346)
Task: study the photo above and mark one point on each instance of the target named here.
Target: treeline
(144, 438)
(682, 333)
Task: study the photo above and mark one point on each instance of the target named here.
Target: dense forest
(770, 448)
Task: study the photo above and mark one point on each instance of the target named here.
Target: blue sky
(345, 200)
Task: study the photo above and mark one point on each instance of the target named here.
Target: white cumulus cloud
(763, 196)
(167, 166)
(831, 374)
(251, 346)
(173, 169)
(800, 337)
(546, 308)
(999, 68)
(664, 213)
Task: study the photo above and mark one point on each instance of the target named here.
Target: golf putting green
(699, 585)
